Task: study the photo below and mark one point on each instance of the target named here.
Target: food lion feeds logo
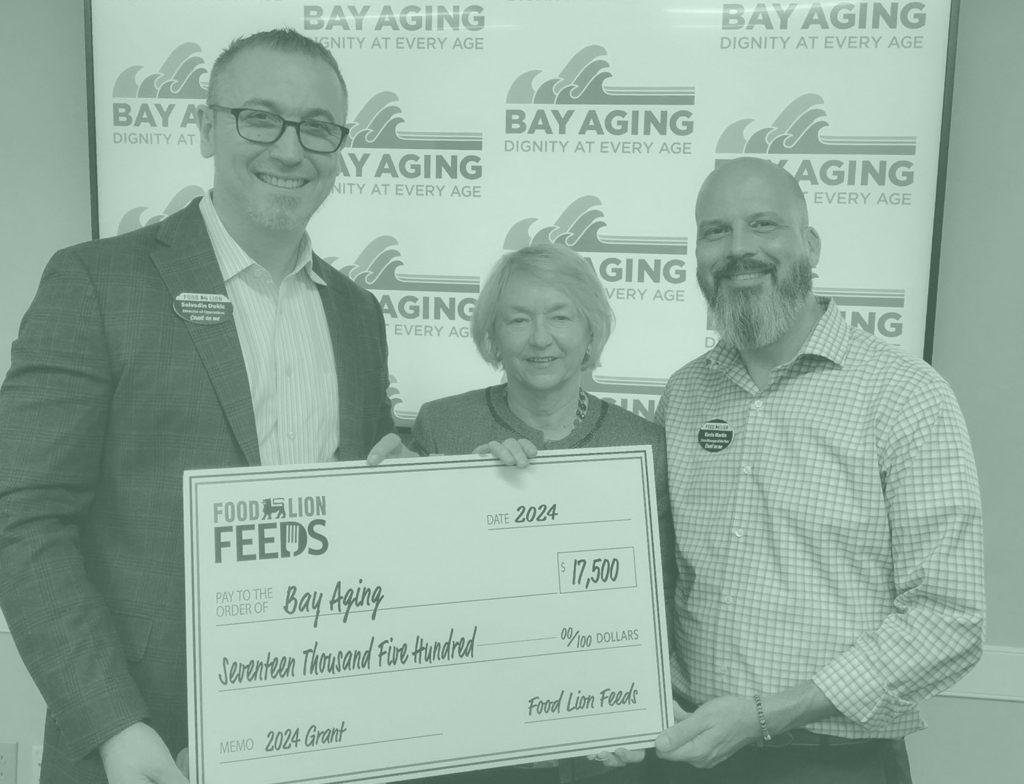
(133, 219)
(379, 159)
(261, 529)
(839, 27)
(592, 117)
(162, 108)
(647, 269)
(831, 169)
(396, 28)
(415, 306)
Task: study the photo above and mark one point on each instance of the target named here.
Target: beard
(756, 316)
(285, 211)
(282, 213)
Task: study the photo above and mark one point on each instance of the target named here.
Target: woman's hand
(390, 446)
(516, 452)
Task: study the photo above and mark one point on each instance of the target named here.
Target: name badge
(203, 308)
(714, 435)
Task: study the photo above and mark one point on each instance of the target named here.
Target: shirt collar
(830, 340)
(831, 336)
(232, 260)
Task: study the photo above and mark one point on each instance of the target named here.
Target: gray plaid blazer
(110, 397)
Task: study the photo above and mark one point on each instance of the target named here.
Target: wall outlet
(8, 763)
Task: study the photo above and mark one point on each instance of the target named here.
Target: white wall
(979, 349)
(44, 196)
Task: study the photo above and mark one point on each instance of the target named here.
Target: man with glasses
(215, 338)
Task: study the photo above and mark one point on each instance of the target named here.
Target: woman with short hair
(543, 317)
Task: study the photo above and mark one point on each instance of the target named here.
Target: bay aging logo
(160, 108)
(631, 267)
(415, 306)
(825, 16)
(433, 28)
(878, 312)
(382, 158)
(863, 26)
(578, 111)
(638, 395)
(839, 170)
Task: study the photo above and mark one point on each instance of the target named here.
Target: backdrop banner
(478, 128)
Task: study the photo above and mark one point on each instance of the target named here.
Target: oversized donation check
(427, 616)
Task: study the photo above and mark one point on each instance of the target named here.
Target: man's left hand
(712, 733)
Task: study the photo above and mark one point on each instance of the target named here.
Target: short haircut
(778, 174)
(558, 267)
(283, 39)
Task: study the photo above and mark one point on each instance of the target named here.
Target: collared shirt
(828, 528)
(287, 348)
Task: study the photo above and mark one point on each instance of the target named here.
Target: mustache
(742, 267)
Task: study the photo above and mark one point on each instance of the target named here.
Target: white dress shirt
(287, 348)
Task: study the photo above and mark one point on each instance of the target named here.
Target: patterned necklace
(582, 404)
(581, 410)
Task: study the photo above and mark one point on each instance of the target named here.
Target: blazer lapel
(187, 263)
(344, 328)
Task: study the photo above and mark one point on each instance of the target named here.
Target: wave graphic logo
(377, 126)
(133, 219)
(379, 268)
(579, 112)
(878, 312)
(865, 298)
(182, 75)
(583, 82)
(379, 148)
(799, 130)
(617, 259)
(579, 228)
(394, 393)
(408, 300)
(638, 395)
(611, 387)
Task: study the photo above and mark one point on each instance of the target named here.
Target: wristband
(762, 719)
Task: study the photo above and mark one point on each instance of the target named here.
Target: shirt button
(747, 470)
(738, 533)
(291, 436)
(759, 404)
(727, 600)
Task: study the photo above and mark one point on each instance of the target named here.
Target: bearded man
(827, 517)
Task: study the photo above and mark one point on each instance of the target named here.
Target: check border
(193, 481)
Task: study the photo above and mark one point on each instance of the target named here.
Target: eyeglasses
(263, 127)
